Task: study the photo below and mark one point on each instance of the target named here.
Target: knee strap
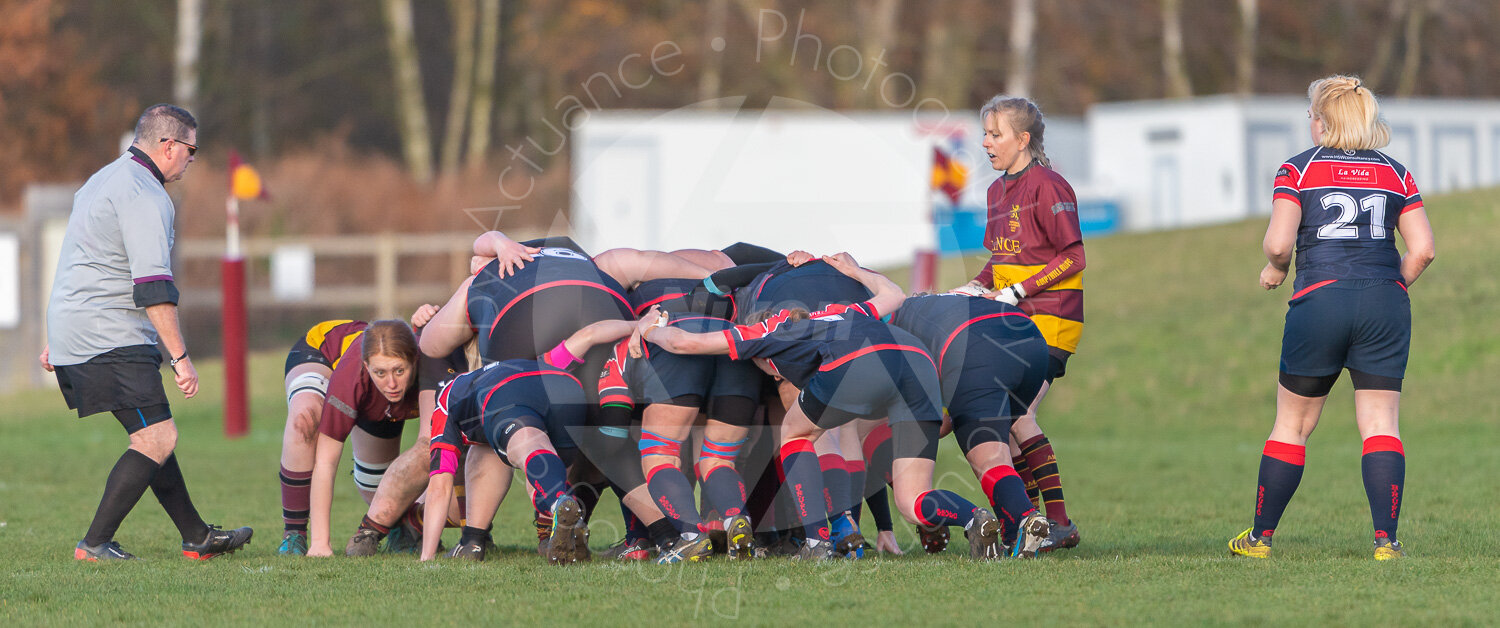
(720, 450)
(653, 444)
(307, 382)
(367, 474)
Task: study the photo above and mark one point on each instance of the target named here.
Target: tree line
(445, 86)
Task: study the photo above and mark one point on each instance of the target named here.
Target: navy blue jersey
(659, 376)
(463, 403)
(824, 341)
(680, 295)
(1351, 201)
(944, 322)
(811, 286)
(545, 301)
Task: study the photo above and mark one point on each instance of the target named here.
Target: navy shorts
(557, 421)
(902, 385)
(125, 381)
(993, 382)
(1363, 325)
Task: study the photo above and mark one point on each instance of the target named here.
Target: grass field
(1158, 428)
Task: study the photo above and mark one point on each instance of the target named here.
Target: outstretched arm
(571, 350)
(630, 267)
(653, 328)
(887, 295)
(449, 328)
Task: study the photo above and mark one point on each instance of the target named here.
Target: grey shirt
(116, 260)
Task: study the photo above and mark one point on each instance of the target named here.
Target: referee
(112, 300)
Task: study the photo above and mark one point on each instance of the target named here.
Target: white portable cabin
(1213, 159)
(804, 178)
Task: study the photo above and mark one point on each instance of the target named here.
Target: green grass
(1158, 427)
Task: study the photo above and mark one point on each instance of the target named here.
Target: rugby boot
(628, 549)
(1246, 545)
(814, 550)
(1062, 536)
(984, 535)
(106, 551)
(568, 528)
(847, 541)
(1387, 548)
(365, 542)
(934, 540)
(739, 537)
(715, 525)
(693, 550)
(1034, 531)
(403, 540)
(472, 550)
(293, 543)
(218, 542)
(543, 523)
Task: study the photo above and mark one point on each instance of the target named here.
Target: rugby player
(1341, 204)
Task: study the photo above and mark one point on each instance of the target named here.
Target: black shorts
(1363, 325)
(381, 429)
(902, 385)
(126, 381)
(1057, 363)
(303, 353)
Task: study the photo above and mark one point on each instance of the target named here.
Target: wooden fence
(388, 296)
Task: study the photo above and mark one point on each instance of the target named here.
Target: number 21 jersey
(1351, 201)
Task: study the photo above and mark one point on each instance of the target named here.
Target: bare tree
(1245, 60)
(411, 107)
(464, 13)
(1022, 47)
(877, 38)
(1411, 62)
(948, 50)
(1385, 47)
(710, 80)
(484, 82)
(189, 45)
(1173, 62)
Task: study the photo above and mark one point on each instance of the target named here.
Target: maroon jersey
(353, 397)
(1032, 222)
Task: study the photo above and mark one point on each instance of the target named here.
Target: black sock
(880, 509)
(471, 534)
(663, 533)
(172, 492)
(122, 489)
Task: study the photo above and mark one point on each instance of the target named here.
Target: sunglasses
(192, 149)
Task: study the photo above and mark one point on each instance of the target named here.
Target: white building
(1212, 159)
(803, 178)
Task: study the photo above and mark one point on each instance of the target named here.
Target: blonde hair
(1351, 116)
(1025, 117)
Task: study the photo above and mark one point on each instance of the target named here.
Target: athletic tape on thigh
(314, 382)
(653, 444)
(720, 450)
(367, 474)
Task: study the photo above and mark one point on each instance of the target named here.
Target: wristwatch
(173, 362)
